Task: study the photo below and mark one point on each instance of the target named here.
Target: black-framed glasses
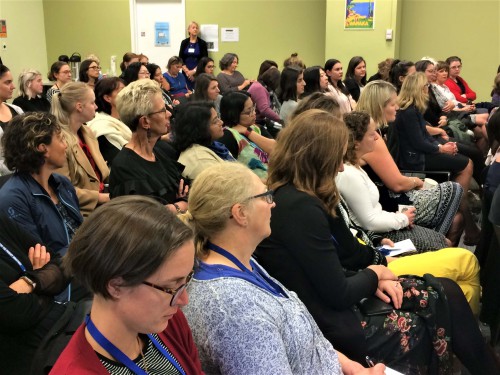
(163, 110)
(95, 67)
(268, 196)
(175, 293)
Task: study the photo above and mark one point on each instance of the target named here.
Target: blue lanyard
(120, 356)
(13, 257)
(257, 278)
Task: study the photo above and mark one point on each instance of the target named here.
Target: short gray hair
(136, 100)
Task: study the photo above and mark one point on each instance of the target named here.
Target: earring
(148, 134)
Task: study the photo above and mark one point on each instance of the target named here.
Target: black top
(36, 104)
(13, 112)
(131, 174)
(24, 318)
(353, 87)
(494, 215)
(302, 255)
(201, 44)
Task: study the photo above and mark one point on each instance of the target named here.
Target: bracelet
(28, 281)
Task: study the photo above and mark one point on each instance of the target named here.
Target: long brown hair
(308, 154)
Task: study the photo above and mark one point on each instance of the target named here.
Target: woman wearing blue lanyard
(191, 51)
(137, 258)
(243, 320)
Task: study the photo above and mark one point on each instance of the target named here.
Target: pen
(369, 361)
(385, 251)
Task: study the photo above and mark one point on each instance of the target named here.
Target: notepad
(401, 247)
(390, 371)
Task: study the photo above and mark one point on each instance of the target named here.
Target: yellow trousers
(459, 265)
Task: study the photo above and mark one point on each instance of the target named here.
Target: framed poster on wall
(359, 15)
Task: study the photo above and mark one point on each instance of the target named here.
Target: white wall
(144, 14)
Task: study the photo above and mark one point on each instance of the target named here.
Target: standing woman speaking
(191, 51)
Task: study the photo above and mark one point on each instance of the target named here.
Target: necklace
(142, 355)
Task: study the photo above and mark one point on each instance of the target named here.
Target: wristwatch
(29, 281)
(247, 132)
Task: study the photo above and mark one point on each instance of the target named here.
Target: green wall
(26, 47)
(88, 26)
(371, 44)
(467, 28)
(270, 29)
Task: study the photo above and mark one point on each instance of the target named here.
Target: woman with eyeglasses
(146, 165)
(243, 320)
(60, 72)
(205, 65)
(247, 142)
(134, 72)
(312, 252)
(89, 72)
(195, 132)
(136, 324)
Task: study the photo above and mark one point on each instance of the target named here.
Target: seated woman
(30, 277)
(315, 80)
(361, 194)
(195, 132)
(89, 72)
(292, 86)
(262, 92)
(42, 202)
(84, 165)
(136, 324)
(111, 133)
(143, 166)
(128, 58)
(379, 100)
(205, 65)
(207, 89)
(134, 72)
(306, 251)
(229, 78)
(457, 85)
(7, 111)
(60, 72)
(294, 60)
(355, 77)
(176, 80)
(241, 136)
(383, 70)
(270, 329)
(438, 119)
(336, 88)
(156, 75)
(30, 97)
(399, 70)
(419, 151)
(445, 96)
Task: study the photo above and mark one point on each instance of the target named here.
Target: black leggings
(467, 342)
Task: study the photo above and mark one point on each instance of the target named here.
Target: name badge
(190, 50)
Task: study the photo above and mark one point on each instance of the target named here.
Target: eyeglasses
(65, 72)
(268, 196)
(175, 293)
(249, 112)
(163, 110)
(144, 73)
(95, 67)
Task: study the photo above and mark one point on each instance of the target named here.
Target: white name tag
(190, 50)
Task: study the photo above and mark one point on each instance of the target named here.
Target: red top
(80, 358)
(455, 89)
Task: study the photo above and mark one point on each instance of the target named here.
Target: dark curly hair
(357, 123)
(22, 138)
(192, 124)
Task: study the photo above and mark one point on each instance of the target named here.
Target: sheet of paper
(390, 371)
(399, 248)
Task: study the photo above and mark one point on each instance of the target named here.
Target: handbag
(59, 336)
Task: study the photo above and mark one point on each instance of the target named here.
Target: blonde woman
(419, 151)
(73, 106)
(192, 49)
(30, 97)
